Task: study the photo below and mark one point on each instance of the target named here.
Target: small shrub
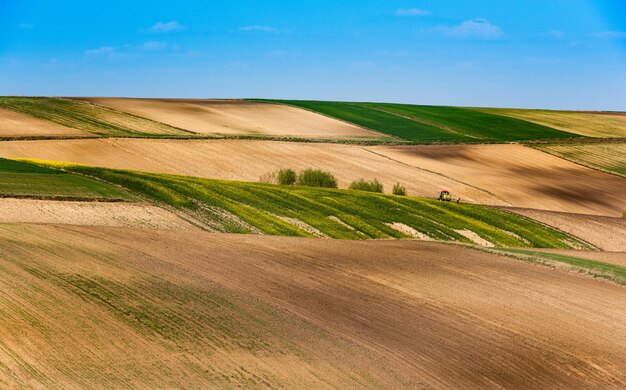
(399, 189)
(316, 178)
(286, 176)
(269, 178)
(364, 185)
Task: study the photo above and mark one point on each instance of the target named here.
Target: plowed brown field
(14, 124)
(243, 160)
(89, 214)
(520, 176)
(236, 117)
(107, 307)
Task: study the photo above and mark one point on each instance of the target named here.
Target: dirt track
(236, 117)
(89, 214)
(243, 160)
(521, 176)
(606, 233)
(14, 124)
(203, 310)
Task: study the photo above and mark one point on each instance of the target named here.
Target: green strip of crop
(242, 207)
(599, 269)
(430, 124)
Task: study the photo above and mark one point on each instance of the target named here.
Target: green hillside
(21, 179)
(240, 207)
(432, 123)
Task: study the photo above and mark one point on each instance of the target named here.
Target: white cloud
(25, 26)
(154, 45)
(556, 34)
(612, 34)
(474, 28)
(166, 27)
(267, 29)
(412, 12)
(101, 51)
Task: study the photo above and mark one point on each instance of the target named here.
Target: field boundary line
(418, 120)
(437, 173)
(582, 164)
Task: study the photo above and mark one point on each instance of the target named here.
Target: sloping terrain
(236, 117)
(25, 180)
(609, 157)
(15, 124)
(101, 307)
(86, 117)
(610, 257)
(431, 123)
(520, 176)
(240, 207)
(244, 160)
(606, 233)
(137, 215)
(590, 124)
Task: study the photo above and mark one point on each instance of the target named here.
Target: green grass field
(595, 268)
(610, 157)
(474, 124)
(88, 117)
(20, 179)
(432, 123)
(240, 207)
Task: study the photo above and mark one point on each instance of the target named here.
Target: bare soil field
(244, 160)
(89, 214)
(236, 117)
(520, 176)
(606, 233)
(294, 313)
(15, 124)
(591, 124)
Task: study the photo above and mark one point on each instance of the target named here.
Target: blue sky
(564, 54)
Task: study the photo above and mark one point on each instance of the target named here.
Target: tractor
(444, 196)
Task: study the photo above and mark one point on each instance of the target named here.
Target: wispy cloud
(474, 28)
(101, 51)
(25, 26)
(556, 34)
(612, 34)
(412, 12)
(154, 45)
(166, 27)
(259, 28)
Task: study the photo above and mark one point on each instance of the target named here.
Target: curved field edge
(602, 124)
(240, 207)
(593, 268)
(605, 157)
(431, 124)
(22, 180)
(88, 117)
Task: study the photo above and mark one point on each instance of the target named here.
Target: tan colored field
(89, 214)
(606, 233)
(243, 160)
(236, 117)
(608, 157)
(591, 124)
(520, 176)
(106, 307)
(14, 124)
